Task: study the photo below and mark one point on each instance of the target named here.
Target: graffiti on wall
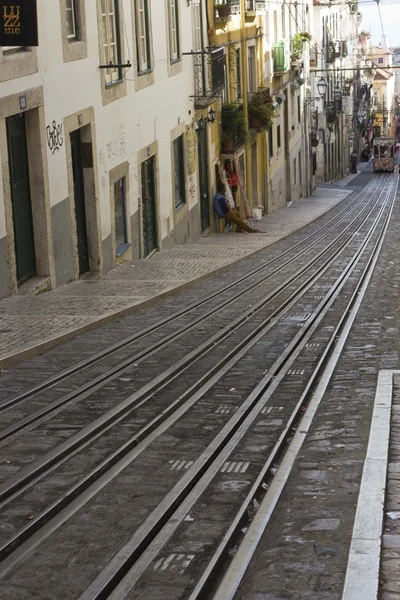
(55, 138)
(117, 148)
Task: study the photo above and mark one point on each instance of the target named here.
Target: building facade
(383, 105)
(98, 140)
(339, 63)
(116, 129)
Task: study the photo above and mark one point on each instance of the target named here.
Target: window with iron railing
(209, 74)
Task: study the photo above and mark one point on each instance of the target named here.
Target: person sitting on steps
(223, 211)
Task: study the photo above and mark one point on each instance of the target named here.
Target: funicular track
(305, 293)
(43, 399)
(101, 367)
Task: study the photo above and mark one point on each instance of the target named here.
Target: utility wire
(380, 17)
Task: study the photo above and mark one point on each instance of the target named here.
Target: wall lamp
(321, 87)
(211, 115)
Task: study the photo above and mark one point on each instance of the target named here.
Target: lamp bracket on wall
(113, 66)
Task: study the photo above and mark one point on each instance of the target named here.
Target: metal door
(149, 212)
(203, 177)
(21, 198)
(79, 195)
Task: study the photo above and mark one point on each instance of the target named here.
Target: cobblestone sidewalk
(29, 324)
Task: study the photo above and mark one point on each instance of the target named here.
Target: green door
(203, 176)
(79, 195)
(149, 213)
(21, 198)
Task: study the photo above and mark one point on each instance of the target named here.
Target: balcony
(227, 10)
(233, 124)
(281, 54)
(250, 9)
(209, 75)
(261, 6)
(260, 110)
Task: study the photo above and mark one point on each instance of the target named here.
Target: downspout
(243, 46)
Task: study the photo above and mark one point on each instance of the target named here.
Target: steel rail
(167, 516)
(234, 573)
(207, 583)
(134, 400)
(50, 382)
(49, 513)
(98, 382)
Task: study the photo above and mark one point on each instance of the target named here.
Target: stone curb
(362, 574)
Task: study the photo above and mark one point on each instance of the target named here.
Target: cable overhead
(380, 17)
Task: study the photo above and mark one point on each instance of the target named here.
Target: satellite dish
(280, 98)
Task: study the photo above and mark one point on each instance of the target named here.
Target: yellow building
(259, 129)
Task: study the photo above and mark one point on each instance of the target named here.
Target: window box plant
(298, 43)
(223, 9)
(233, 123)
(261, 112)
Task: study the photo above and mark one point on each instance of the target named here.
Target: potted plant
(298, 43)
(222, 9)
(261, 112)
(233, 126)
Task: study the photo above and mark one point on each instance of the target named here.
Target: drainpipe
(245, 95)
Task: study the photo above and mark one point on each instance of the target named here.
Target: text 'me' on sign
(18, 23)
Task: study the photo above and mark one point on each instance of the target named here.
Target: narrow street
(212, 444)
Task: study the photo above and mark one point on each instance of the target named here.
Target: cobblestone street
(37, 322)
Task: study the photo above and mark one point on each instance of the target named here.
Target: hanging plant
(261, 112)
(298, 43)
(233, 124)
(223, 9)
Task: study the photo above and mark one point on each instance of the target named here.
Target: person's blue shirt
(221, 206)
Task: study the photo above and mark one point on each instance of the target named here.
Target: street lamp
(321, 86)
(337, 93)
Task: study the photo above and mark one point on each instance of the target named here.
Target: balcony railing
(281, 54)
(233, 126)
(209, 75)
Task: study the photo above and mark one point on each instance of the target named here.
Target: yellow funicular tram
(384, 154)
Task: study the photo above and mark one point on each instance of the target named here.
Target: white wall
(124, 126)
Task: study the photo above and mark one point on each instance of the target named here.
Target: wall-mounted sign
(190, 151)
(22, 102)
(18, 23)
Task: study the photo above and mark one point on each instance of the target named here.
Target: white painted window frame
(196, 26)
(173, 26)
(110, 43)
(70, 8)
(11, 49)
(143, 35)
